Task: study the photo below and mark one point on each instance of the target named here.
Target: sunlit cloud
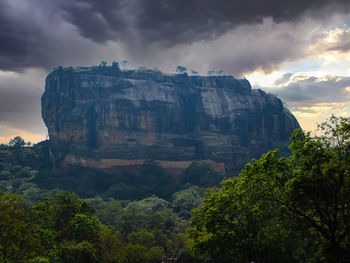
(259, 78)
(313, 99)
(8, 133)
(310, 116)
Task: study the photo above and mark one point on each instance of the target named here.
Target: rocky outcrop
(102, 117)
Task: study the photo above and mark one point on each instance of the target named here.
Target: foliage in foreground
(281, 209)
(64, 229)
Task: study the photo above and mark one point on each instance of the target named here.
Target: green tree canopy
(181, 69)
(185, 200)
(17, 142)
(295, 207)
(57, 212)
(157, 254)
(148, 214)
(136, 253)
(19, 240)
(143, 238)
(201, 173)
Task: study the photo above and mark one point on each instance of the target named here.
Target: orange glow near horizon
(27, 136)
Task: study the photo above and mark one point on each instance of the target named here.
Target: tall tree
(181, 69)
(17, 142)
(19, 240)
(296, 207)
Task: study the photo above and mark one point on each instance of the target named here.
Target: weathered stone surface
(102, 117)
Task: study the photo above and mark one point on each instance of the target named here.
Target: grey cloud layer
(20, 100)
(34, 34)
(44, 33)
(312, 90)
(245, 49)
(182, 21)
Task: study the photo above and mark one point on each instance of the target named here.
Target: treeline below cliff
(28, 171)
(135, 215)
(279, 209)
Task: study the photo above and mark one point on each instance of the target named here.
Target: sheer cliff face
(104, 117)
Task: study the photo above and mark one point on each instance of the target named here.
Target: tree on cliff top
(181, 69)
(115, 65)
(194, 73)
(124, 64)
(211, 72)
(102, 64)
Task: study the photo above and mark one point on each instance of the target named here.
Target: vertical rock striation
(102, 117)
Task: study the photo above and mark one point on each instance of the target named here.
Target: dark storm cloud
(183, 21)
(247, 48)
(99, 20)
(18, 39)
(44, 33)
(34, 34)
(313, 90)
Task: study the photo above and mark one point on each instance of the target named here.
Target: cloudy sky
(296, 49)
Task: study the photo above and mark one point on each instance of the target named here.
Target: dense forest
(279, 209)
(86, 215)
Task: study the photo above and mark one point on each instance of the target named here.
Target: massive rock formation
(103, 117)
